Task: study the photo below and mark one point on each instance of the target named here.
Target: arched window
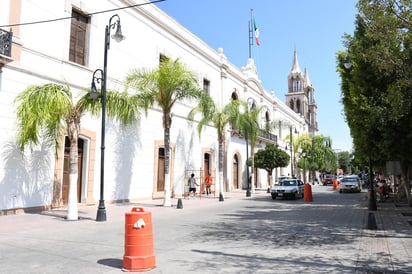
(298, 106)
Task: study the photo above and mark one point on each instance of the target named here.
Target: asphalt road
(239, 235)
(260, 235)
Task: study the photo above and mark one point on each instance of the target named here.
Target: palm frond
(42, 109)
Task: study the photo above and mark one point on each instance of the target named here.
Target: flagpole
(250, 33)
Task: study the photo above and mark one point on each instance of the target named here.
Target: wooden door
(235, 173)
(161, 170)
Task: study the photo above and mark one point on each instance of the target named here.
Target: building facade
(62, 41)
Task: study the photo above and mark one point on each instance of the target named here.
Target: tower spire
(307, 80)
(295, 66)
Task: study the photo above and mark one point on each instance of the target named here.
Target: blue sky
(313, 27)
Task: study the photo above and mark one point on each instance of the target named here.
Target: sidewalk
(389, 246)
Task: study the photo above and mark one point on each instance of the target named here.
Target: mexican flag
(256, 32)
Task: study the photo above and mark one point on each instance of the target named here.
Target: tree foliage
(164, 87)
(271, 157)
(376, 89)
(220, 119)
(48, 112)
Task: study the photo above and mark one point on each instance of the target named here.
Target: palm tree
(219, 119)
(248, 123)
(170, 83)
(46, 112)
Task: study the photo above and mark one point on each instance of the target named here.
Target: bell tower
(301, 94)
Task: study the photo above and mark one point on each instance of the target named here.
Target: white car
(350, 184)
(281, 178)
(289, 188)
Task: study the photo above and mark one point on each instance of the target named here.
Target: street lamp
(371, 189)
(252, 104)
(304, 165)
(118, 36)
(291, 153)
(312, 168)
(247, 166)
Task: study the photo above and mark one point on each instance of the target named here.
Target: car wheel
(340, 191)
(295, 196)
(273, 197)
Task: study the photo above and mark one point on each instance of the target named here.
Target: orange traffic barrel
(335, 184)
(138, 241)
(307, 193)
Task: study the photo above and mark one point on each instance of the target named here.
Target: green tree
(344, 160)
(376, 87)
(271, 157)
(164, 86)
(219, 119)
(248, 123)
(49, 111)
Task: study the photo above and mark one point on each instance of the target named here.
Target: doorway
(235, 172)
(66, 170)
(161, 169)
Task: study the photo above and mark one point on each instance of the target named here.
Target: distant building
(301, 95)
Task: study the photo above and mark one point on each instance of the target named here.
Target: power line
(70, 17)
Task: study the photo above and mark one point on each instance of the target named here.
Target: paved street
(243, 235)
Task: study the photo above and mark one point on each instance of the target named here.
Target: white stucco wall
(129, 153)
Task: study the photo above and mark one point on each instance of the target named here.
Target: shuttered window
(78, 38)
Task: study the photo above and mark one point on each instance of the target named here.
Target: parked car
(350, 184)
(328, 179)
(281, 178)
(288, 188)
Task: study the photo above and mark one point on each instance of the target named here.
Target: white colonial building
(62, 41)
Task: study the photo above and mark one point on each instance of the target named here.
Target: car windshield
(288, 183)
(350, 179)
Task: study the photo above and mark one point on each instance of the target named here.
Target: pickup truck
(288, 188)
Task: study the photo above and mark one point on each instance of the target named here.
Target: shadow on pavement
(112, 262)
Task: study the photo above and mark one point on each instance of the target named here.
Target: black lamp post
(250, 102)
(304, 165)
(247, 166)
(118, 36)
(371, 188)
(291, 155)
(312, 168)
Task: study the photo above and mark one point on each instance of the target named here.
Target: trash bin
(138, 244)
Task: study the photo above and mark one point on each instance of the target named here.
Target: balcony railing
(5, 42)
(263, 135)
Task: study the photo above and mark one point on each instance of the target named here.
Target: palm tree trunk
(73, 134)
(167, 199)
(221, 169)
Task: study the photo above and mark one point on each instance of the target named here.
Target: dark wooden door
(235, 173)
(161, 170)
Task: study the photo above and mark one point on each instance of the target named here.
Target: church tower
(301, 95)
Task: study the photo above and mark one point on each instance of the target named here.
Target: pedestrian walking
(208, 183)
(192, 185)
